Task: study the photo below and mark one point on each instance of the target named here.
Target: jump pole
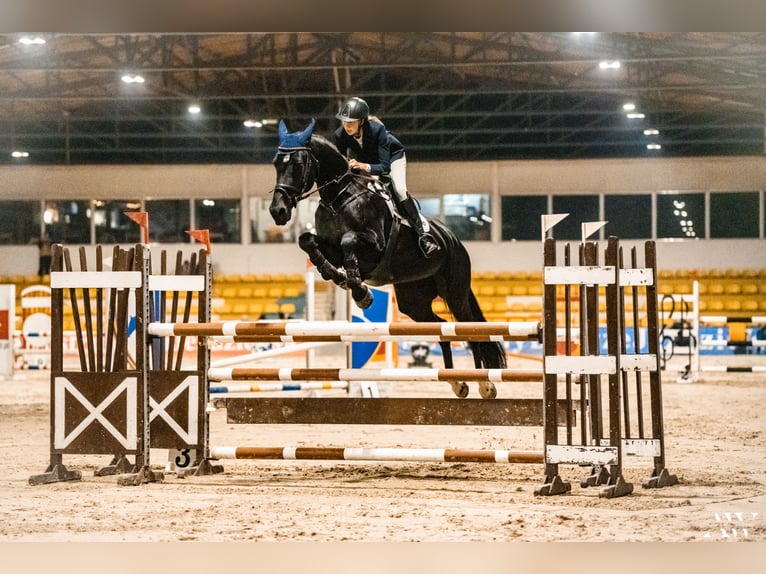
(336, 374)
(377, 454)
(346, 332)
(266, 387)
(258, 355)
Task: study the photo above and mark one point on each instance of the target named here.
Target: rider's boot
(410, 211)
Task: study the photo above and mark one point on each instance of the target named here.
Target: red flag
(201, 235)
(142, 218)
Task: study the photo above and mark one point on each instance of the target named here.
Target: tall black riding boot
(410, 211)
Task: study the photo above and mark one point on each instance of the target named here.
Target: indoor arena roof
(69, 98)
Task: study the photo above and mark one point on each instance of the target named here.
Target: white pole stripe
(176, 283)
(579, 275)
(96, 279)
(636, 277)
(587, 365)
(495, 375)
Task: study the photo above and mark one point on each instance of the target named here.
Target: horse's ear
(282, 131)
(305, 135)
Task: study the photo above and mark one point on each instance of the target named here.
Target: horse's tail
(489, 355)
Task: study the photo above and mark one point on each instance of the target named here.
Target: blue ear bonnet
(295, 140)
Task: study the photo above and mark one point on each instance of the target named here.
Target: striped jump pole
(277, 387)
(730, 369)
(752, 320)
(340, 331)
(377, 454)
(339, 374)
(268, 353)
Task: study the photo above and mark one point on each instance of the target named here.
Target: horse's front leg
(308, 242)
(359, 291)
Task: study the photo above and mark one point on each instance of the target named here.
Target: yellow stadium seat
(715, 289)
(518, 290)
(244, 292)
(255, 309)
(292, 292)
(714, 305)
(287, 309)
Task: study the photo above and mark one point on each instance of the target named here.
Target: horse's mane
(329, 145)
(325, 142)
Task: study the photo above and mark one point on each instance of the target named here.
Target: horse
(360, 239)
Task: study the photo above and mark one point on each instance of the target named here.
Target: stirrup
(427, 245)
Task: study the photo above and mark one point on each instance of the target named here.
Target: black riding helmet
(353, 109)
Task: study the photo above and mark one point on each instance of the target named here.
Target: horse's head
(296, 171)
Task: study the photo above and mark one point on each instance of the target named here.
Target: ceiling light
(253, 123)
(653, 146)
(629, 107)
(194, 109)
(132, 79)
(635, 116)
(19, 153)
(651, 132)
(609, 64)
(31, 40)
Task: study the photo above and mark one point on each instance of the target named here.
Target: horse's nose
(278, 213)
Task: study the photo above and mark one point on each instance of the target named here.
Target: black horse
(360, 238)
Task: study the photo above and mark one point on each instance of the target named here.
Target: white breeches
(399, 177)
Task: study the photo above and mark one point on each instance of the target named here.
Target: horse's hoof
(366, 299)
(460, 390)
(487, 390)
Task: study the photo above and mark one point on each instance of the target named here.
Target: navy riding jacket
(379, 146)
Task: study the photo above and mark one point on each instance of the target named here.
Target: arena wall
(654, 175)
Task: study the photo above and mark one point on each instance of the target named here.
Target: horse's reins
(295, 195)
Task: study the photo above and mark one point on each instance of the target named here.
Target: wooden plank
(390, 411)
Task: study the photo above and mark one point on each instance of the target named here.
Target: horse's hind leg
(416, 304)
(486, 355)
(460, 388)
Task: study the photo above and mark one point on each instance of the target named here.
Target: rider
(373, 149)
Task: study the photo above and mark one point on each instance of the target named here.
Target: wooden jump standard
(127, 391)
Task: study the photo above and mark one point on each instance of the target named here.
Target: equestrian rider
(374, 150)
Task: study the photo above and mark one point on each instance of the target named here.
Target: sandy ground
(715, 436)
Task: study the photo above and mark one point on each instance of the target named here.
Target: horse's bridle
(291, 193)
